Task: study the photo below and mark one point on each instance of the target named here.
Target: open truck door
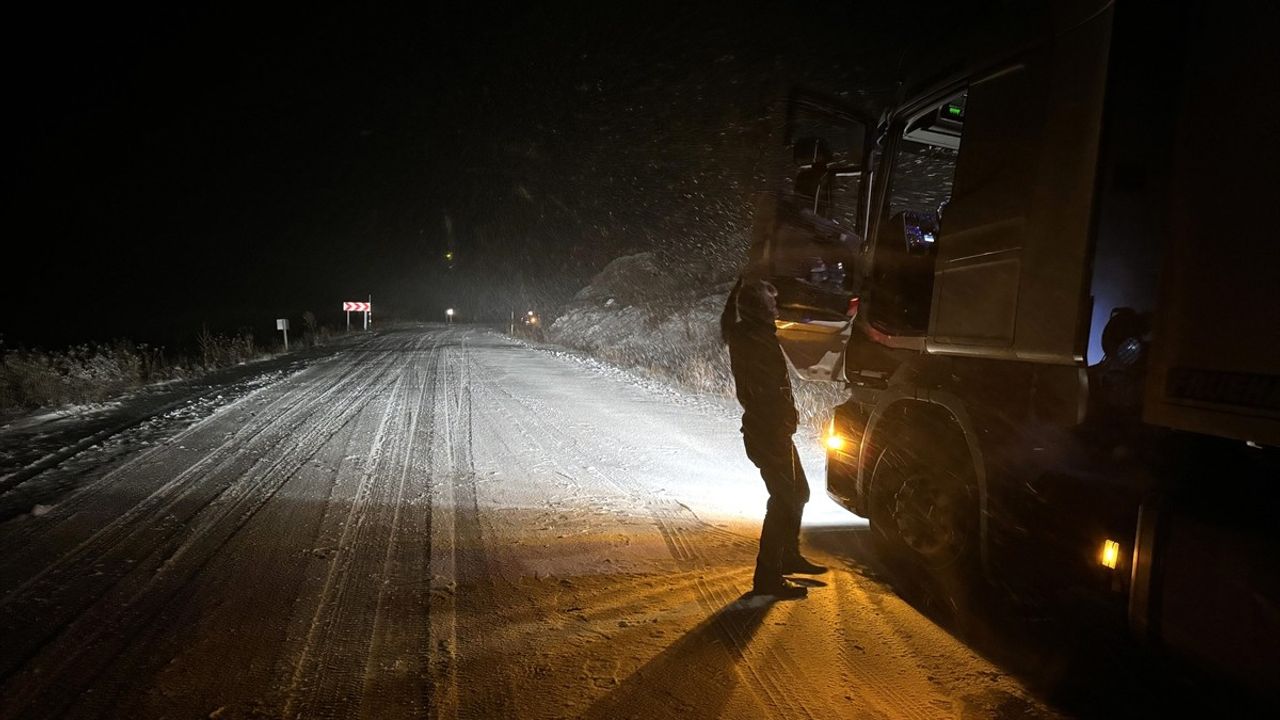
(808, 242)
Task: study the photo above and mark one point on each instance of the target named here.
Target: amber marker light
(1110, 554)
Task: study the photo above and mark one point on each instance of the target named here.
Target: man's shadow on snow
(697, 673)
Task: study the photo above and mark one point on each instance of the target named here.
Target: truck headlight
(833, 439)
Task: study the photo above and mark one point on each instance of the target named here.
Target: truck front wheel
(924, 512)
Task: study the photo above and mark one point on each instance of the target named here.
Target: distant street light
(448, 315)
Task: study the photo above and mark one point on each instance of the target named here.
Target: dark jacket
(759, 375)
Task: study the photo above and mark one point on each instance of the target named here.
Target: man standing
(768, 421)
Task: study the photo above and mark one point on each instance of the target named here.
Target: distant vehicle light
(1110, 554)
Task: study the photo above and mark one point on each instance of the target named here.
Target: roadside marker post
(282, 324)
(360, 307)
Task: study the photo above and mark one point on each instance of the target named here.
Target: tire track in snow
(124, 541)
(120, 615)
(443, 632)
(771, 672)
(462, 501)
(53, 460)
(776, 672)
(446, 693)
(214, 385)
(681, 549)
(345, 623)
(288, 410)
(902, 693)
(397, 679)
(295, 395)
(138, 651)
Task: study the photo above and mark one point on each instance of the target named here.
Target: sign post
(282, 324)
(360, 307)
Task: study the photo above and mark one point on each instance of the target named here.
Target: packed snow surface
(443, 522)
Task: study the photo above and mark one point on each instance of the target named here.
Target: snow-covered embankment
(638, 314)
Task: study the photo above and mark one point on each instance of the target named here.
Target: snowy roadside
(636, 316)
(723, 410)
(655, 382)
(46, 452)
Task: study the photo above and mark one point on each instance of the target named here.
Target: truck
(1047, 274)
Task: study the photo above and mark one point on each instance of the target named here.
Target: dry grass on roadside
(95, 372)
(81, 374)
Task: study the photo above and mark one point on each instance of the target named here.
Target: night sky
(177, 167)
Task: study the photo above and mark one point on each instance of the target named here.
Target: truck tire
(924, 518)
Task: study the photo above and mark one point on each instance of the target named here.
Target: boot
(798, 565)
(779, 588)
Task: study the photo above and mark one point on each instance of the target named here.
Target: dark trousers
(788, 492)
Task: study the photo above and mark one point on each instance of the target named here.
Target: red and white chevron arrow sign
(357, 306)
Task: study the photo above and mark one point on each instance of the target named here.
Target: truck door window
(913, 219)
(805, 239)
(925, 165)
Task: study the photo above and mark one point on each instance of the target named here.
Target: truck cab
(1059, 319)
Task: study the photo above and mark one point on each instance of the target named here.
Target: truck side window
(912, 223)
(925, 166)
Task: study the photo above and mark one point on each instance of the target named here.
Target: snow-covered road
(443, 522)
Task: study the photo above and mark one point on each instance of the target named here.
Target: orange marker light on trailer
(1110, 554)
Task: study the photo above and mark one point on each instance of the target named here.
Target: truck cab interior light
(1110, 554)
